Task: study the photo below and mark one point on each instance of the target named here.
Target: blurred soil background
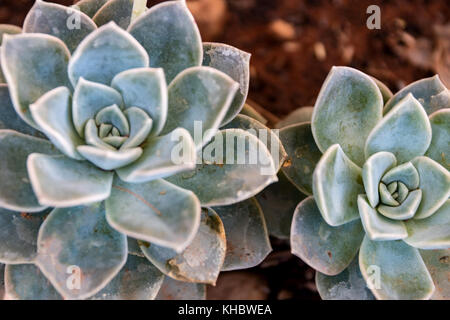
(294, 43)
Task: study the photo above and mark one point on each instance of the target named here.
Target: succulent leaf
(385, 91)
(377, 226)
(104, 53)
(372, 172)
(278, 202)
(138, 280)
(267, 136)
(9, 119)
(405, 210)
(52, 113)
(303, 155)
(402, 274)
(336, 183)
(159, 159)
(155, 211)
(236, 64)
(327, 249)
(33, 64)
(248, 241)
(249, 111)
(201, 261)
(6, 29)
(229, 176)
(17, 193)
(88, 99)
(118, 11)
(26, 282)
(170, 36)
(18, 240)
(65, 23)
(405, 173)
(177, 290)
(199, 95)
(80, 236)
(89, 7)
(347, 285)
(405, 131)
(144, 88)
(110, 159)
(432, 232)
(434, 184)
(348, 107)
(303, 114)
(62, 182)
(430, 92)
(440, 142)
(140, 127)
(438, 264)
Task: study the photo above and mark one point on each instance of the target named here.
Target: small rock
(282, 30)
(319, 51)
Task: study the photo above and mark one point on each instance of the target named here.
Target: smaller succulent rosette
(103, 174)
(375, 167)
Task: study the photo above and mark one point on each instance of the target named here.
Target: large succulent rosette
(376, 223)
(104, 186)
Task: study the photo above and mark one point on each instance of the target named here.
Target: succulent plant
(376, 222)
(98, 99)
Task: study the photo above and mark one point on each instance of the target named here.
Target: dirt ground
(294, 43)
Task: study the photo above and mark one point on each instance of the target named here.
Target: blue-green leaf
(199, 97)
(303, 155)
(231, 171)
(9, 119)
(163, 156)
(439, 149)
(372, 172)
(269, 137)
(405, 210)
(88, 99)
(405, 173)
(18, 237)
(177, 290)
(79, 240)
(377, 226)
(385, 91)
(26, 282)
(348, 107)
(146, 89)
(428, 91)
(303, 114)
(337, 182)
(236, 64)
(249, 111)
(201, 261)
(109, 159)
(156, 211)
(106, 52)
(405, 131)
(438, 264)
(394, 270)
(65, 23)
(347, 285)
(278, 202)
(169, 34)
(52, 113)
(16, 191)
(140, 127)
(118, 11)
(138, 280)
(59, 181)
(432, 232)
(435, 186)
(248, 241)
(33, 64)
(89, 7)
(8, 29)
(325, 248)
